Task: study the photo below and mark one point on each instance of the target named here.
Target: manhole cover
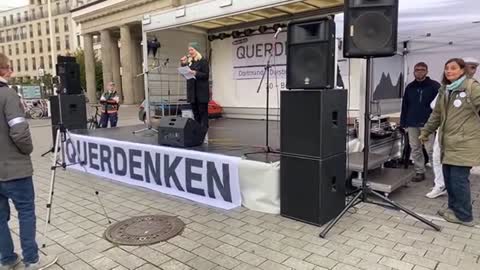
(144, 230)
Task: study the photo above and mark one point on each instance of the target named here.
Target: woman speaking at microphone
(197, 89)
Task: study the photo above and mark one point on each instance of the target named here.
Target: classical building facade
(25, 36)
(118, 26)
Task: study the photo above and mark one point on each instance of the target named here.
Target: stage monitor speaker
(313, 123)
(180, 132)
(370, 28)
(74, 112)
(311, 54)
(312, 191)
(69, 74)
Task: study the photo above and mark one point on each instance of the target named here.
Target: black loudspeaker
(313, 123)
(312, 191)
(74, 112)
(180, 132)
(69, 74)
(66, 59)
(311, 54)
(370, 28)
(313, 163)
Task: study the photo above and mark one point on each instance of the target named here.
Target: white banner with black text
(250, 55)
(198, 176)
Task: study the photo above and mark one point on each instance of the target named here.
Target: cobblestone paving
(369, 237)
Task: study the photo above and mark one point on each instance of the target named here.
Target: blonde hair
(4, 61)
(197, 57)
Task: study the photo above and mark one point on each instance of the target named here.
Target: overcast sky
(4, 5)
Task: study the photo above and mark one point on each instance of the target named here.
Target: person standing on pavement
(439, 188)
(110, 101)
(457, 117)
(415, 112)
(16, 183)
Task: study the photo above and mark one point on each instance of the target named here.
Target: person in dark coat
(415, 113)
(198, 88)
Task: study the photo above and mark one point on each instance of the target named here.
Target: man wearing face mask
(415, 112)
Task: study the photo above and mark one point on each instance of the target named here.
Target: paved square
(369, 237)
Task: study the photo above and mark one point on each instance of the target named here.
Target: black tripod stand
(364, 191)
(266, 149)
(59, 147)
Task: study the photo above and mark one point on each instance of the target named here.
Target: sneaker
(43, 263)
(12, 265)
(442, 212)
(418, 177)
(450, 217)
(436, 192)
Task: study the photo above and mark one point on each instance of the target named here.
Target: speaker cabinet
(180, 132)
(311, 54)
(69, 74)
(370, 28)
(313, 143)
(312, 191)
(74, 112)
(313, 123)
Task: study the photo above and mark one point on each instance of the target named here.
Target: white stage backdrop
(202, 177)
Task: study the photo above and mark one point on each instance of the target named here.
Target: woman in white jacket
(439, 189)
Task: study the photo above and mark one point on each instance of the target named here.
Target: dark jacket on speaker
(416, 102)
(15, 139)
(198, 88)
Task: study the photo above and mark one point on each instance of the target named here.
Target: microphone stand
(147, 104)
(266, 149)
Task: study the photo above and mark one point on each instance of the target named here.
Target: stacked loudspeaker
(313, 126)
(69, 106)
(313, 119)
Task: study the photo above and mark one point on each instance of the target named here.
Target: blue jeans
(106, 116)
(458, 189)
(21, 193)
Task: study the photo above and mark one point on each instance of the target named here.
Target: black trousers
(200, 113)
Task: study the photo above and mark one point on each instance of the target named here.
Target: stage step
(386, 180)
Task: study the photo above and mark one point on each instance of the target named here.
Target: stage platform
(231, 137)
(238, 144)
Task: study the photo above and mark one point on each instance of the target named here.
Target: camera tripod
(59, 148)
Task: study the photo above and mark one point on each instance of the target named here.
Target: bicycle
(36, 109)
(93, 122)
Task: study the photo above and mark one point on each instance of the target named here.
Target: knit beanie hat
(194, 45)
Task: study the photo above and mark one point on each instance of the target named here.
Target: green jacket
(456, 117)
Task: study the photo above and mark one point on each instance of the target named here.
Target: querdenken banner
(202, 177)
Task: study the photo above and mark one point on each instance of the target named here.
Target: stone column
(90, 68)
(117, 79)
(128, 68)
(106, 57)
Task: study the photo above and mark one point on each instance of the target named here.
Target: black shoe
(419, 177)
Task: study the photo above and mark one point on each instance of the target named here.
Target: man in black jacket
(415, 113)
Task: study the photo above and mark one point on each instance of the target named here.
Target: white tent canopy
(440, 22)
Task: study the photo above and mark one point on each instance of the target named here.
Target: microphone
(277, 33)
